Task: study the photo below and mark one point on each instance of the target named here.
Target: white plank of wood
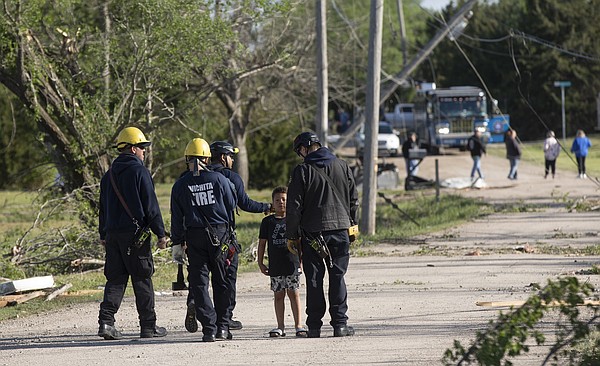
(26, 284)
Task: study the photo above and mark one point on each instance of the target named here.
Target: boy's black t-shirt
(281, 261)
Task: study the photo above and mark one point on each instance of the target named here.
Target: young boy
(284, 267)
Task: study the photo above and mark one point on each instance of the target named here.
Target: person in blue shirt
(202, 209)
(580, 148)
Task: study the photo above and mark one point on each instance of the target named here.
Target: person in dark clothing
(322, 204)
(129, 179)
(283, 268)
(202, 205)
(412, 165)
(513, 153)
(222, 153)
(477, 149)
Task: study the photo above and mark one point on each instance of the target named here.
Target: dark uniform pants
(232, 269)
(118, 267)
(205, 259)
(232, 280)
(314, 271)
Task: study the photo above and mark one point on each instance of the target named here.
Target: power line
(483, 83)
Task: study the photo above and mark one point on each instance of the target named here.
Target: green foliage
(23, 163)
(507, 337)
(266, 174)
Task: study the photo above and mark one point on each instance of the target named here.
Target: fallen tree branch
(59, 291)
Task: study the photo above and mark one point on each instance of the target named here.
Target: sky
(434, 4)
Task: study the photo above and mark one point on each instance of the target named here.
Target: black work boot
(235, 325)
(343, 331)
(223, 334)
(314, 333)
(109, 332)
(208, 338)
(191, 325)
(153, 332)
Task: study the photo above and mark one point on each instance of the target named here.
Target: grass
(419, 213)
(533, 152)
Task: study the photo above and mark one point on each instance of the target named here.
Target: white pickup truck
(402, 117)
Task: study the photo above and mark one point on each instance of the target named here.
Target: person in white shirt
(551, 151)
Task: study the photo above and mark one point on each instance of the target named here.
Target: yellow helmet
(197, 147)
(131, 136)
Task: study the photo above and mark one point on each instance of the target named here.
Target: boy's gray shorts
(280, 283)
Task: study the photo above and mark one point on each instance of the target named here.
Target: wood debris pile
(19, 291)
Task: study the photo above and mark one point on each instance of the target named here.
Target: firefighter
(128, 180)
(222, 157)
(322, 204)
(202, 209)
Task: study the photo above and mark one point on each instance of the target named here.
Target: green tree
(520, 47)
(258, 71)
(87, 69)
(23, 163)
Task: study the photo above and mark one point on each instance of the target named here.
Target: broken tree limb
(59, 291)
(81, 261)
(27, 284)
(517, 303)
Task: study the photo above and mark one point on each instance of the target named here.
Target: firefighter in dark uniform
(202, 209)
(117, 229)
(327, 207)
(222, 153)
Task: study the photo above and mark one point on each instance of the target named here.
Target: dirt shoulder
(406, 309)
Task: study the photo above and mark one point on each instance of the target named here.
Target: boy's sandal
(275, 333)
(301, 332)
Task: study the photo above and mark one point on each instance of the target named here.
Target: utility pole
(372, 118)
(400, 9)
(408, 69)
(321, 118)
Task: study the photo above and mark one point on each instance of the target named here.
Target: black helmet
(223, 147)
(305, 139)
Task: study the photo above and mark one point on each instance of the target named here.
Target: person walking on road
(202, 209)
(128, 204)
(580, 147)
(513, 153)
(551, 151)
(322, 206)
(477, 149)
(412, 165)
